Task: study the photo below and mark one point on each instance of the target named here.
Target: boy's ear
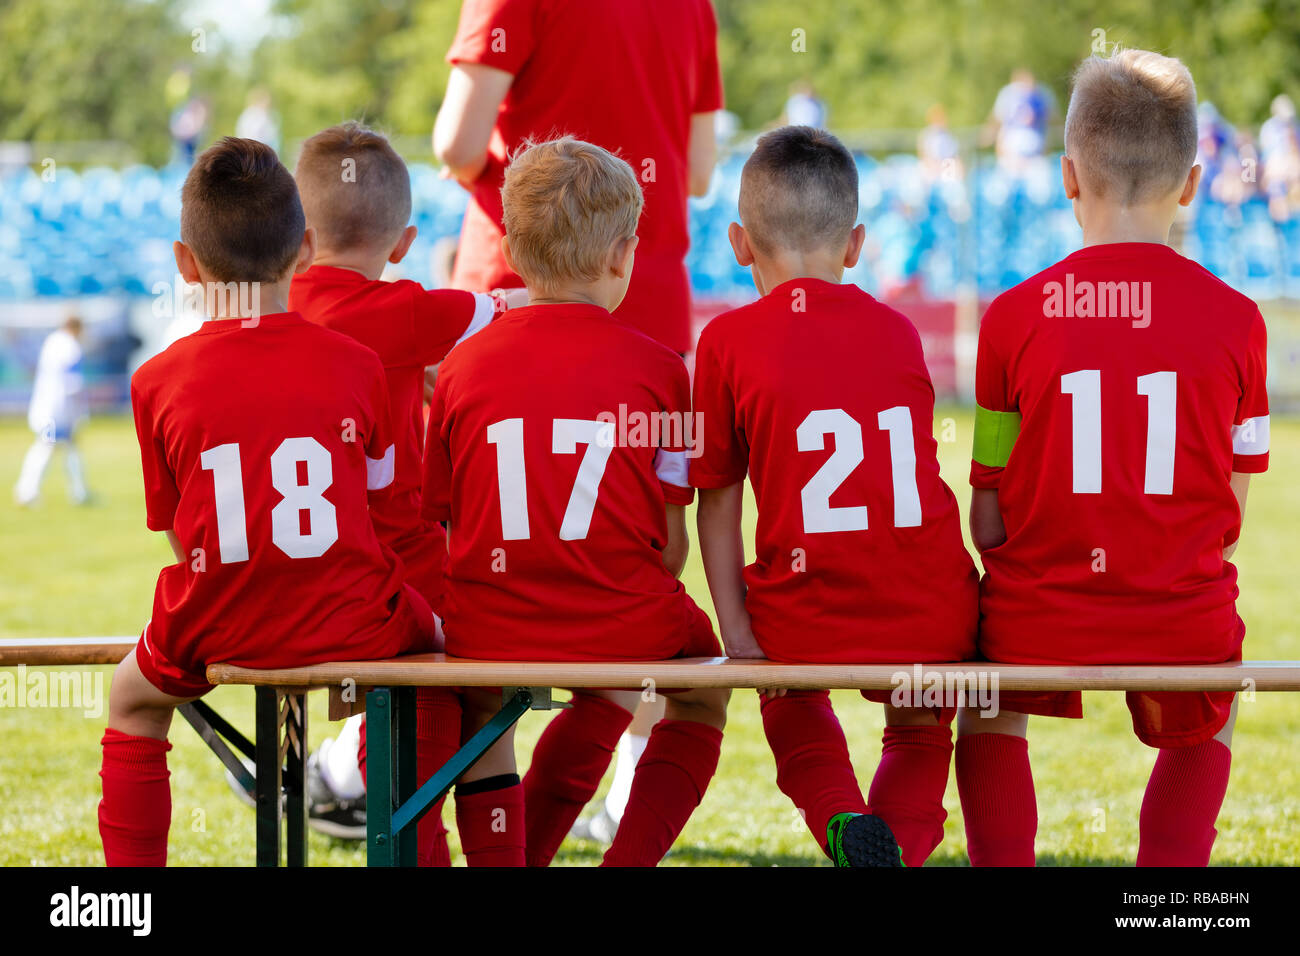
(186, 264)
(505, 254)
(1069, 178)
(740, 245)
(1189, 187)
(306, 252)
(621, 256)
(857, 238)
(403, 245)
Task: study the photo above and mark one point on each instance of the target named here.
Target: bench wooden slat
(44, 651)
(439, 670)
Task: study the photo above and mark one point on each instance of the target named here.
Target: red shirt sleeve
(992, 391)
(443, 317)
(722, 453)
(377, 433)
(435, 493)
(672, 455)
(1250, 436)
(496, 33)
(708, 93)
(161, 496)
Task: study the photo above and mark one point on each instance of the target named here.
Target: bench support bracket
(394, 805)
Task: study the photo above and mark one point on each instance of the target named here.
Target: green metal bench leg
(409, 813)
(295, 768)
(405, 771)
(267, 783)
(381, 848)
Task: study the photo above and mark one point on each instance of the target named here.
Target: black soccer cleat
(860, 839)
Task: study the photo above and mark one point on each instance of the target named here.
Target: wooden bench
(212, 728)
(396, 800)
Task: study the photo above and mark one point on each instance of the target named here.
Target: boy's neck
(369, 264)
(248, 300)
(598, 293)
(1106, 223)
(786, 265)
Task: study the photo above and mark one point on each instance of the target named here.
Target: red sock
(361, 748)
(679, 761)
(136, 810)
(997, 799)
(568, 763)
(907, 791)
(1183, 799)
(437, 738)
(491, 824)
(812, 758)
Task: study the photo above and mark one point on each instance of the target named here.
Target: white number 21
(818, 514)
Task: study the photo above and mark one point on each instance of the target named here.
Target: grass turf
(68, 571)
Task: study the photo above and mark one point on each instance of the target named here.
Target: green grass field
(68, 571)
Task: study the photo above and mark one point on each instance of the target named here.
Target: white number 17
(512, 484)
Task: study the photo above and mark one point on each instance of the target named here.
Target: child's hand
(744, 646)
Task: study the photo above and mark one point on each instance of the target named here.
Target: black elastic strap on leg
(487, 784)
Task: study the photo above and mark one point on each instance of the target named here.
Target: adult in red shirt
(638, 77)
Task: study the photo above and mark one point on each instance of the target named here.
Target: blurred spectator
(938, 148)
(803, 108)
(188, 122)
(257, 121)
(1279, 141)
(1218, 151)
(55, 412)
(1021, 114)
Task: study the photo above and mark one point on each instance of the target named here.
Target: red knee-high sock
(568, 762)
(136, 811)
(907, 791)
(679, 761)
(997, 799)
(361, 748)
(437, 735)
(812, 758)
(491, 824)
(1183, 799)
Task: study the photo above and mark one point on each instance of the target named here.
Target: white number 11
(1161, 390)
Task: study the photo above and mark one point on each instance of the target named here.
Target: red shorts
(410, 630)
(1161, 719)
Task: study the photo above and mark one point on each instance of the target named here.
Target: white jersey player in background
(56, 409)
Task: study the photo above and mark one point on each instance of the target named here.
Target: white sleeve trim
(485, 307)
(1251, 436)
(379, 471)
(670, 466)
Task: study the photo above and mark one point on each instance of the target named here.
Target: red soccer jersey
(821, 393)
(626, 76)
(409, 328)
(1136, 380)
(541, 452)
(259, 446)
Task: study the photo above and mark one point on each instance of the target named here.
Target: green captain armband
(995, 436)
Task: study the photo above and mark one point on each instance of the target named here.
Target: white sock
(630, 749)
(34, 464)
(76, 474)
(337, 759)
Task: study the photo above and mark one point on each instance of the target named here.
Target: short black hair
(240, 212)
(799, 190)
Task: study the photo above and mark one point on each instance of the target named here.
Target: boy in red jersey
(1121, 412)
(821, 395)
(356, 194)
(263, 441)
(566, 529)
